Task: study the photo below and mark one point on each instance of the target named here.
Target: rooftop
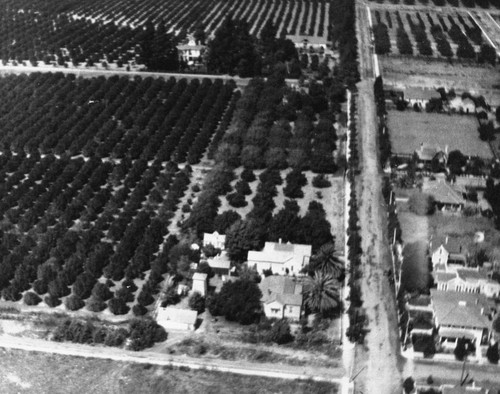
(185, 316)
(420, 94)
(221, 261)
(283, 289)
(460, 309)
(452, 244)
(442, 192)
(199, 276)
(275, 252)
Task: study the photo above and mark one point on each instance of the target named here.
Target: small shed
(200, 283)
(176, 319)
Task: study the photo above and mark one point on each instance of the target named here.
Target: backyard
(417, 230)
(408, 130)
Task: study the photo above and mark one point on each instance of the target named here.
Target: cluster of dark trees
(115, 117)
(141, 333)
(237, 301)
(260, 134)
(234, 51)
(343, 35)
(357, 319)
(454, 3)
(58, 38)
(381, 35)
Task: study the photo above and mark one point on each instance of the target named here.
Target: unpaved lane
(382, 374)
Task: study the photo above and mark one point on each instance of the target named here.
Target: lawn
(27, 372)
(409, 129)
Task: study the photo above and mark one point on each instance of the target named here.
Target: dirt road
(378, 362)
(382, 374)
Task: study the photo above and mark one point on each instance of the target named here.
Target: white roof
(199, 276)
(185, 316)
(279, 253)
(220, 261)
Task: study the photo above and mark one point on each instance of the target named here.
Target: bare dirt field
(30, 372)
(409, 129)
(481, 80)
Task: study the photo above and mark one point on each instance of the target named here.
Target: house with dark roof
(461, 315)
(280, 258)
(468, 280)
(446, 198)
(281, 297)
(447, 253)
(426, 154)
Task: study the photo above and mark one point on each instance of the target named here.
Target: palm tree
(328, 261)
(322, 292)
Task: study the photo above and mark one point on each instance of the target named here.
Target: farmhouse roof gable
(443, 193)
(282, 289)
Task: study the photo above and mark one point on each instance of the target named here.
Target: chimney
(446, 149)
(446, 241)
(279, 240)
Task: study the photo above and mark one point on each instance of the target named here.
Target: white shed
(176, 319)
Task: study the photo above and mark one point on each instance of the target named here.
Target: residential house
(200, 283)
(468, 280)
(191, 52)
(215, 239)
(281, 297)
(451, 389)
(172, 318)
(427, 155)
(280, 258)
(461, 315)
(445, 197)
(462, 105)
(447, 253)
(420, 96)
(220, 264)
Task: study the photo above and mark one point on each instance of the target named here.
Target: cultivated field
(90, 181)
(408, 130)
(26, 372)
(113, 30)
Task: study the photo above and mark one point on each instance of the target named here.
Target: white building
(215, 239)
(176, 319)
(281, 297)
(191, 53)
(280, 258)
(200, 283)
(467, 280)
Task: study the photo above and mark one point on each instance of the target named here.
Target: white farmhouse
(280, 258)
(215, 239)
(176, 319)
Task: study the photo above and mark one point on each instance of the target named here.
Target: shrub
(144, 333)
(139, 310)
(247, 175)
(236, 200)
(95, 304)
(320, 181)
(492, 353)
(116, 337)
(280, 332)
(101, 291)
(421, 204)
(73, 302)
(31, 298)
(197, 302)
(52, 301)
(118, 306)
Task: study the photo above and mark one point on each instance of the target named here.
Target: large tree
(237, 301)
(327, 261)
(322, 293)
(232, 50)
(242, 236)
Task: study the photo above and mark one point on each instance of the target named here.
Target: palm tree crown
(322, 292)
(328, 261)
